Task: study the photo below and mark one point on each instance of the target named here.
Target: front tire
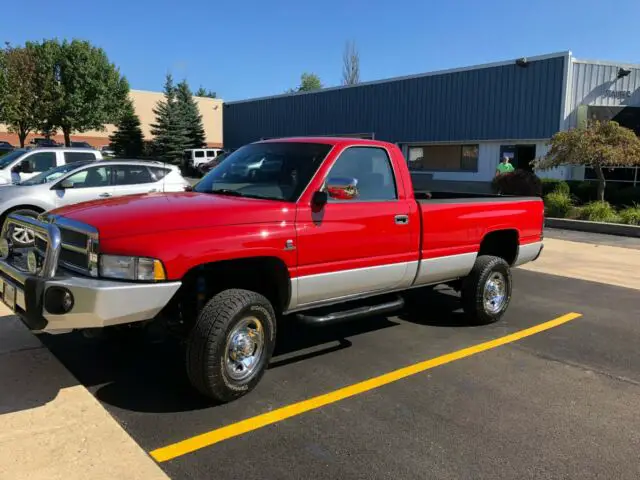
(230, 346)
(486, 291)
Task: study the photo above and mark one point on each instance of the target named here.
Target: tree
(170, 136)
(201, 92)
(308, 83)
(89, 90)
(598, 145)
(128, 140)
(191, 117)
(350, 65)
(20, 102)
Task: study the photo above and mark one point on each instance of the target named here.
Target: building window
(448, 158)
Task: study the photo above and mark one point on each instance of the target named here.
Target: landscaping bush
(549, 185)
(558, 204)
(630, 215)
(598, 212)
(518, 182)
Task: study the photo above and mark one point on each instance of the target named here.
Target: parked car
(22, 164)
(44, 142)
(337, 232)
(205, 168)
(5, 147)
(84, 181)
(81, 145)
(107, 151)
(195, 157)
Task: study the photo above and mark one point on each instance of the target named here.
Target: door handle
(402, 219)
(153, 190)
(104, 195)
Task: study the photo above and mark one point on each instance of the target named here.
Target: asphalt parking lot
(561, 403)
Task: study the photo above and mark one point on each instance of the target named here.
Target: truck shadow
(150, 377)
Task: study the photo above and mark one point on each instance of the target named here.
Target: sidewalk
(586, 261)
(50, 426)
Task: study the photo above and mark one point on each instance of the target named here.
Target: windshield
(51, 175)
(9, 158)
(271, 170)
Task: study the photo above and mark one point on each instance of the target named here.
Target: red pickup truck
(314, 230)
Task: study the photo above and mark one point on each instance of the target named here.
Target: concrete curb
(594, 227)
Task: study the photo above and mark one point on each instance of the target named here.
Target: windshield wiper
(235, 193)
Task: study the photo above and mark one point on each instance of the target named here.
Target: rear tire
(230, 346)
(486, 291)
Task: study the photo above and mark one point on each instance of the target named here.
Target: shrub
(562, 187)
(631, 215)
(549, 185)
(558, 204)
(518, 182)
(598, 212)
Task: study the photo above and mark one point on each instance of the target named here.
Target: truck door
(361, 245)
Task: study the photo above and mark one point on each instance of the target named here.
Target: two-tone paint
(344, 250)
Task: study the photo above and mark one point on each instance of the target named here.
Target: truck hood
(133, 215)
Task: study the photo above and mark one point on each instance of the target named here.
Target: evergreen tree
(191, 117)
(170, 138)
(127, 140)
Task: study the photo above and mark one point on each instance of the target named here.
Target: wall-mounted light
(623, 72)
(522, 62)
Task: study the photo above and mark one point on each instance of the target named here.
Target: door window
(43, 161)
(199, 154)
(71, 157)
(211, 153)
(90, 177)
(132, 175)
(371, 168)
(158, 173)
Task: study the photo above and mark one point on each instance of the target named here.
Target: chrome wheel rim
(495, 293)
(244, 349)
(22, 235)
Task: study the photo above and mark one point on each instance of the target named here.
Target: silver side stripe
(527, 253)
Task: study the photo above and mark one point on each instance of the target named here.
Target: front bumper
(97, 303)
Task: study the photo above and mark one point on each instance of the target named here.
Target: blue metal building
(453, 124)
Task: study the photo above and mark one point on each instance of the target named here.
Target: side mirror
(65, 184)
(319, 199)
(342, 188)
(25, 167)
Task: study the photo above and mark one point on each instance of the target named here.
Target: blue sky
(244, 49)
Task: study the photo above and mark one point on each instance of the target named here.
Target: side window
(199, 154)
(132, 175)
(43, 161)
(158, 173)
(90, 177)
(211, 153)
(71, 157)
(371, 167)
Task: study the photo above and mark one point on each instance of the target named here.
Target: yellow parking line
(215, 436)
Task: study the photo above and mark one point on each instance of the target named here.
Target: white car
(195, 157)
(22, 164)
(85, 181)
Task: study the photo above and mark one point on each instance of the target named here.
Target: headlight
(131, 268)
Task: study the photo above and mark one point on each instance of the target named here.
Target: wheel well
(4, 215)
(501, 243)
(268, 276)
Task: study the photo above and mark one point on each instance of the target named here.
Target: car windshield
(51, 175)
(271, 170)
(9, 158)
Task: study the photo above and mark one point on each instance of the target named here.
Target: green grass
(598, 212)
(631, 215)
(558, 204)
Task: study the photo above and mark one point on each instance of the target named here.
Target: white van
(194, 157)
(22, 164)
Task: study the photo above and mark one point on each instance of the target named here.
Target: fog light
(6, 249)
(33, 262)
(58, 300)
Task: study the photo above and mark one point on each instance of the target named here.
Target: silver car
(84, 181)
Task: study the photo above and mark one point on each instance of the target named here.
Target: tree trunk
(22, 134)
(67, 136)
(602, 183)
